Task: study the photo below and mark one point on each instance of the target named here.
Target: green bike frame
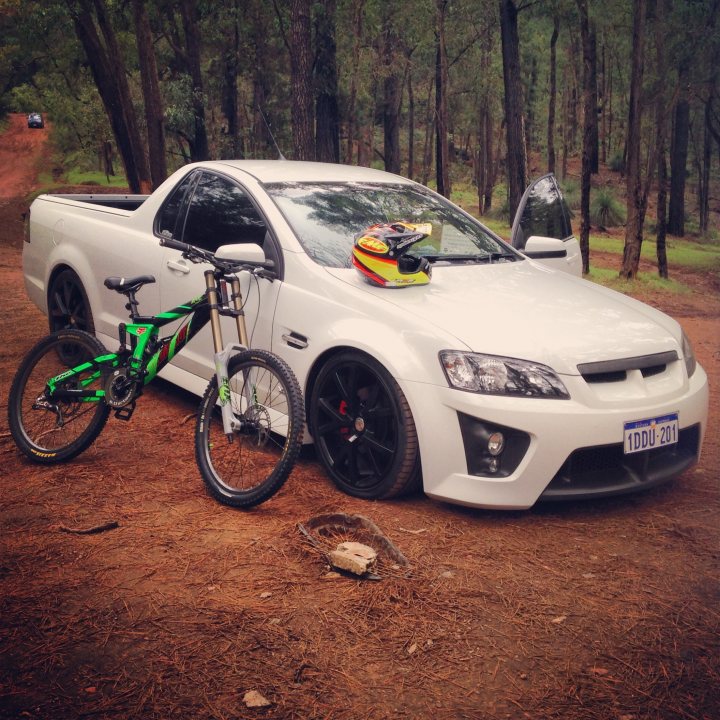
(148, 354)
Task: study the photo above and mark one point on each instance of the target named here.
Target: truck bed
(120, 202)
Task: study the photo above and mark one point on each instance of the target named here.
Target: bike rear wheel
(250, 466)
(46, 429)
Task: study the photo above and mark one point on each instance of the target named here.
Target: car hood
(523, 310)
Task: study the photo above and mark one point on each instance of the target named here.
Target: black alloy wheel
(363, 429)
(68, 306)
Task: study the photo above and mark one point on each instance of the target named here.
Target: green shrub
(571, 193)
(617, 163)
(605, 209)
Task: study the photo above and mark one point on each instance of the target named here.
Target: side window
(220, 213)
(167, 219)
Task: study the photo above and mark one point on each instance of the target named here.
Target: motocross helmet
(379, 254)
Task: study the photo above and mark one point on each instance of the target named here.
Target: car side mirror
(242, 252)
(544, 248)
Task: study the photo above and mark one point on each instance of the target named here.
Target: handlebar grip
(174, 244)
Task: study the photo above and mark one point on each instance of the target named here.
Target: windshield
(326, 217)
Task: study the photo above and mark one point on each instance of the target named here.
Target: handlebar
(263, 269)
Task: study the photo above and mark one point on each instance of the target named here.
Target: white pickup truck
(502, 381)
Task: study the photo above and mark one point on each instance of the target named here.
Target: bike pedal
(125, 413)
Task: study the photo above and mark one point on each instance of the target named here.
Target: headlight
(494, 375)
(688, 355)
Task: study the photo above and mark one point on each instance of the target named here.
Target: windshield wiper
(472, 259)
(494, 257)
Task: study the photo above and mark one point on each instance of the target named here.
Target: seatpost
(132, 304)
(212, 296)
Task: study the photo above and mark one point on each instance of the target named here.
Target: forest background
(482, 94)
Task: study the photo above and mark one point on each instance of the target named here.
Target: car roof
(273, 171)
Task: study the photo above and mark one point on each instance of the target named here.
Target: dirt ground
(605, 609)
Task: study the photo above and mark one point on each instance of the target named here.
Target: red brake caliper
(344, 431)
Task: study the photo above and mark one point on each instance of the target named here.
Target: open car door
(541, 229)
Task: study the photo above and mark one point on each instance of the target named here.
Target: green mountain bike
(251, 417)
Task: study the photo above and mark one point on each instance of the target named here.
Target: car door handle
(180, 267)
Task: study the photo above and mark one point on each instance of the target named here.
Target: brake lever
(265, 274)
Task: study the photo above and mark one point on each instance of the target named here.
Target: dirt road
(597, 610)
(21, 151)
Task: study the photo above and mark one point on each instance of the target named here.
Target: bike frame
(148, 355)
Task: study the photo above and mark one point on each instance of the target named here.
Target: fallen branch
(91, 530)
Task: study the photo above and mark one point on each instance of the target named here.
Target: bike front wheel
(251, 464)
(47, 429)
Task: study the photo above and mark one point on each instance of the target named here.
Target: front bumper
(574, 449)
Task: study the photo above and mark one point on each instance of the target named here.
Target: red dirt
(595, 610)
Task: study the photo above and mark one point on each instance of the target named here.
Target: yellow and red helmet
(379, 254)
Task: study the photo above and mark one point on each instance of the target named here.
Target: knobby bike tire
(252, 466)
(38, 430)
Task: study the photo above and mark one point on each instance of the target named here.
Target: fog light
(496, 443)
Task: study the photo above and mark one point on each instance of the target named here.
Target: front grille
(606, 470)
(616, 370)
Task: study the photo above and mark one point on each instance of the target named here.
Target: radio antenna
(267, 125)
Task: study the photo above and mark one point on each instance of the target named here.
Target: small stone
(274, 621)
(523, 676)
(332, 575)
(265, 595)
(447, 574)
(412, 649)
(588, 576)
(353, 557)
(559, 619)
(254, 699)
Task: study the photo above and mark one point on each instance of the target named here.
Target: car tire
(68, 305)
(363, 429)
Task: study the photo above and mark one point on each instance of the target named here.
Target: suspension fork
(231, 424)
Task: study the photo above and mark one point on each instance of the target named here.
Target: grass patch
(47, 184)
(648, 282)
(688, 253)
(76, 177)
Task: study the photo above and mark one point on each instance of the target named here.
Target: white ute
(503, 381)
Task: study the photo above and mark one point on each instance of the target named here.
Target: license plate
(651, 433)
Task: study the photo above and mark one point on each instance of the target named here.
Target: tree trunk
(661, 141)
(199, 148)
(301, 80)
(480, 162)
(231, 57)
(636, 202)
(392, 93)
(358, 9)
(109, 75)
(678, 157)
(489, 160)
(327, 140)
(411, 124)
(152, 98)
(553, 93)
(592, 86)
(442, 150)
(429, 132)
(704, 171)
(589, 120)
(514, 126)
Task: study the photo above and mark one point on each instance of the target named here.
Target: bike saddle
(133, 284)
